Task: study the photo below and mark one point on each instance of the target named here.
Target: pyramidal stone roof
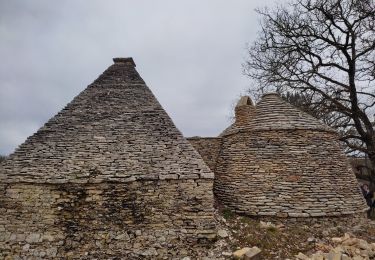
(273, 113)
(115, 130)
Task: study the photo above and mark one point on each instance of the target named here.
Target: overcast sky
(189, 52)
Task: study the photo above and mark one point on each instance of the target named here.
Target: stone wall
(208, 148)
(286, 173)
(145, 218)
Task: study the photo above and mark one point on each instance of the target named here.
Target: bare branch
(324, 50)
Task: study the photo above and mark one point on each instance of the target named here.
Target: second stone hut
(276, 160)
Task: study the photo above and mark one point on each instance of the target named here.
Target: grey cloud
(188, 52)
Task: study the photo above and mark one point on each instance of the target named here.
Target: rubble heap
(344, 248)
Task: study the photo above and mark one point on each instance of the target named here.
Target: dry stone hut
(278, 161)
(109, 176)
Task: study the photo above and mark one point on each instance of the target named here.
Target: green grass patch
(228, 214)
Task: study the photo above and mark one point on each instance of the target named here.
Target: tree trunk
(372, 172)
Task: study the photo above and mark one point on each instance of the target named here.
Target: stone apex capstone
(245, 101)
(128, 61)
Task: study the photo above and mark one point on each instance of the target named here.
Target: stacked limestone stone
(108, 176)
(209, 148)
(278, 161)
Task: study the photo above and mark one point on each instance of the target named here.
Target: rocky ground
(333, 239)
(241, 237)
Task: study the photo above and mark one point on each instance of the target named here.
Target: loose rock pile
(285, 238)
(344, 248)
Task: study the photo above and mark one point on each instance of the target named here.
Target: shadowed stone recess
(110, 176)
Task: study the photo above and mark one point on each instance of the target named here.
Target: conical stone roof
(273, 113)
(115, 130)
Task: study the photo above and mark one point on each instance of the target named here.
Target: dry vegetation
(285, 239)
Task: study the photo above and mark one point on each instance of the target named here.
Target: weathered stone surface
(302, 256)
(253, 254)
(209, 149)
(222, 233)
(334, 255)
(33, 238)
(144, 214)
(239, 254)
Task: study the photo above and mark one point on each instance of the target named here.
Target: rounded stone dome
(272, 113)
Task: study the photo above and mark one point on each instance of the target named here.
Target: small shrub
(228, 214)
(272, 229)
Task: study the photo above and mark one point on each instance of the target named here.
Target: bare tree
(324, 49)
(304, 101)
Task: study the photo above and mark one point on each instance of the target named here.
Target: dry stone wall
(140, 219)
(295, 173)
(208, 148)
